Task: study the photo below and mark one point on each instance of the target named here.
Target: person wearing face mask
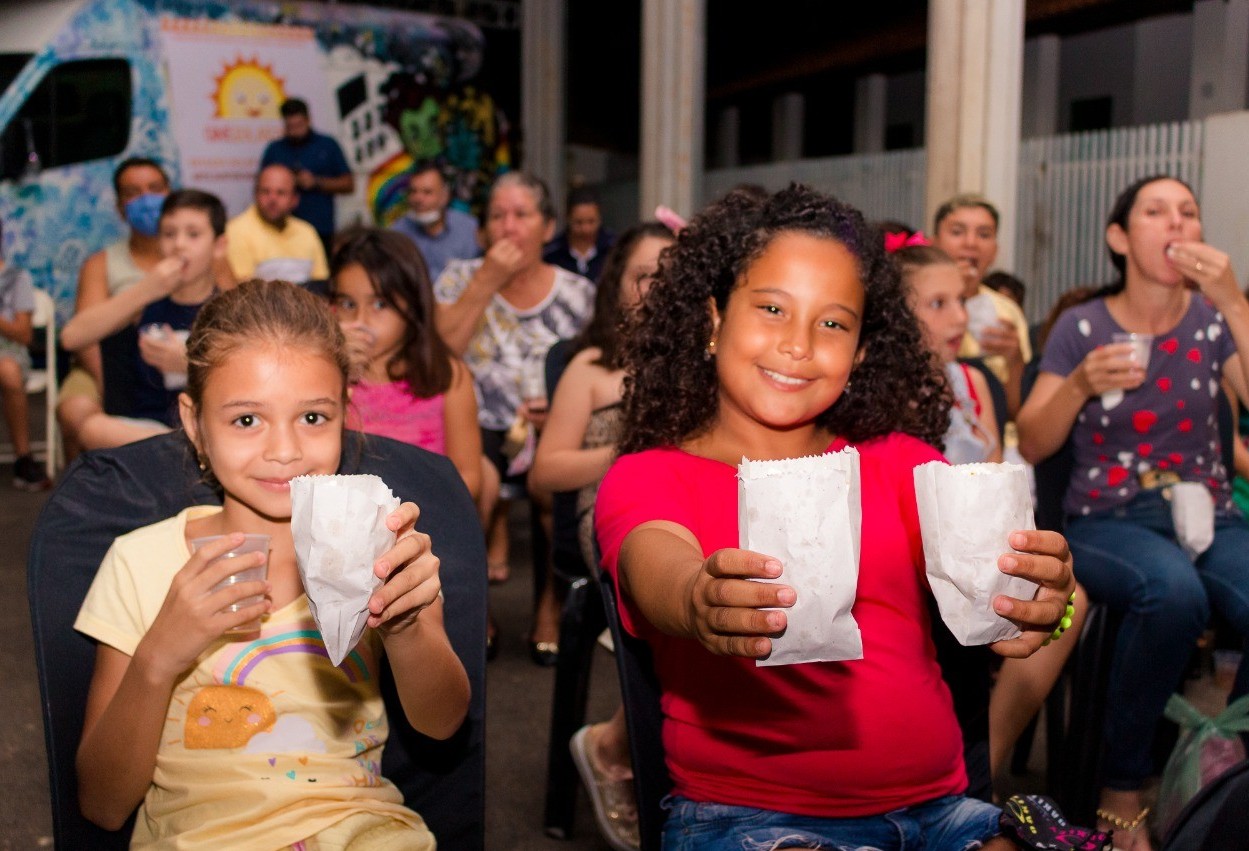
(102, 379)
(441, 232)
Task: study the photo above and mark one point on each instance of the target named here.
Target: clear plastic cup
(258, 573)
(1142, 345)
(980, 314)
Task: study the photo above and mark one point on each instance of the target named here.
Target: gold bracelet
(1121, 823)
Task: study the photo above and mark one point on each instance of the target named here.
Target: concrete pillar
(728, 137)
(1224, 202)
(1220, 60)
(673, 105)
(788, 114)
(975, 81)
(542, 105)
(870, 100)
(1042, 57)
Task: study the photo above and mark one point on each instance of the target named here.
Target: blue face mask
(143, 214)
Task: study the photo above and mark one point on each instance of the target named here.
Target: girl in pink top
(777, 328)
(408, 384)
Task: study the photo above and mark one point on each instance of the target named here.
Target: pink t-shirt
(391, 410)
(834, 739)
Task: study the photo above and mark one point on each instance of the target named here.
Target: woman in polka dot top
(1142, 416)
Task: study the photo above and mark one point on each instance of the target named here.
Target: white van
(196, 85)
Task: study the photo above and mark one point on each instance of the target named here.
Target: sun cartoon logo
(248, 89)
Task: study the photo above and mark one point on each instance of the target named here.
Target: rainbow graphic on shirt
(308, 641)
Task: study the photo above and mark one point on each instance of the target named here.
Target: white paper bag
(805, 513)
(339, 527)
(1192, 511)
(966, 515)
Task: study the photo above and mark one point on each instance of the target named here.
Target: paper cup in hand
(339, 527)
(805, 513)
(966, 515)
(255, 573)
(981, 313)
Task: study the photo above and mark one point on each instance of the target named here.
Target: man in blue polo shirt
(321, 170)
(441, 232)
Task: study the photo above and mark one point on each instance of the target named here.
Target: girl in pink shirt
(408, 385)
(777, 328)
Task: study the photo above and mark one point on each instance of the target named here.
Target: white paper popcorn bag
(339, 527)
(805, 513)
(966, 515)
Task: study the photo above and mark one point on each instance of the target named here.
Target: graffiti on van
(393, 87)
(56, 195)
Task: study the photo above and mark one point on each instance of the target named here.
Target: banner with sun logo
(227, 80)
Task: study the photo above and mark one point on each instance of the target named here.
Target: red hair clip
(897, 241)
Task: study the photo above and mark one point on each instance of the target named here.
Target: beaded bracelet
(1065, 622)
(1119, 822)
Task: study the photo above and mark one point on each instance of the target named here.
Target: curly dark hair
(671, 389)
(605, 326)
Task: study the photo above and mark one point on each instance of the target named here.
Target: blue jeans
(1128, 558)
(952, 823)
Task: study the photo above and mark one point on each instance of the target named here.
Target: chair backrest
(639, 692)
(107, 493)
(566, 556)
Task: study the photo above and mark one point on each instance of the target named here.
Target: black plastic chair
(639, 691)
(108, 493)
(581, 620)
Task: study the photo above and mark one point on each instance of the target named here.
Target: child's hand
(164, 351)
(726, 607)
(409, 571)
(167, 274)
(193, 616)
(360, 340)
(1001, 338)
(1044, 558)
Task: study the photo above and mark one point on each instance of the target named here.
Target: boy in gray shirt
(17, 305)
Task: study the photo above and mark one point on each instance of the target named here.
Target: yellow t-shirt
(266, 743)
(256, 249)
(1006, 309)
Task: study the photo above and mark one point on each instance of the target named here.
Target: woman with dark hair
(1141, 412)
(408, 385)
(577, 446)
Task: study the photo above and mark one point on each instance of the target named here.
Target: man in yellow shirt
(965, 227)
(266, 241)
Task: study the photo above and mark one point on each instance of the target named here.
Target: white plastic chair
(44, 380)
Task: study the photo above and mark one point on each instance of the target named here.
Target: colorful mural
(402, 85)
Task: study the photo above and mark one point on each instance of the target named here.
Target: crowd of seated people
(771, 326)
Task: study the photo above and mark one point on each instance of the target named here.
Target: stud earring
(710, 351)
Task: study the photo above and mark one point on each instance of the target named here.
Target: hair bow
(900, 240)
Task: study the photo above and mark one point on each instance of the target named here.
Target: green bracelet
(1065, 622)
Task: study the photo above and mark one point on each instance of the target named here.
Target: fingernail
(1009, 562)
(786, 597)
(772, 567)
(1018, 540)
(1003, 606)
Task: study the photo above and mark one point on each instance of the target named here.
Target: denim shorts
(952, 823)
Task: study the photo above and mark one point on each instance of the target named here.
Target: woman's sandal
(1035, 822)
(1120, 824)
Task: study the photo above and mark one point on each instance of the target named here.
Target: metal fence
(1067, 185)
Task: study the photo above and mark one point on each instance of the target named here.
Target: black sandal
(1035, 822)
